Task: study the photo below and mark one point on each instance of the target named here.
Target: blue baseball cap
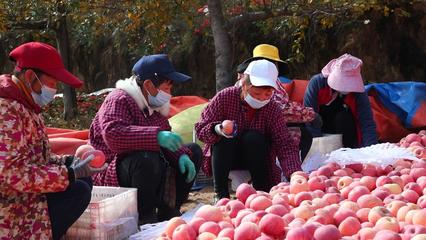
(159, 64)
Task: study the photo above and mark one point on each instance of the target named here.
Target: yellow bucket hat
(267, 51)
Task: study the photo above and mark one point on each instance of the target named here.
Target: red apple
(184, 232)
(369, 170)
(222, 202)
(386, 235)
(240, 215)
(349, 226)
(228, 127)
(419, 218)
(369, 182)
(381, 192)
(298, 185)
(301, 196)
(246, 231)
(210, 213)
(417, 172)
(331, 198)
(366, 233)
(195, 223)
(260, 203)
(82, 149)
(342, 214)
(389, 223)
(303, 211)
(382, 180)
(369, 201)
(226, 233)
(378, 212)
(357, 192)
(325, 171)
(298, 233)
(357, 167)
(413, 137)
(327, 232)
(421, 202)
(316, 183)
(98, 160)
(206, 236)
(406, 179)
(277, 209)
(410, 195)
(394, 206)
(244, 191)
(362, 214)
(254, 217)
(172, 224)
(272, 225)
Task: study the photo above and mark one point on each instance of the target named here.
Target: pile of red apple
(416, 142)
(357, 201)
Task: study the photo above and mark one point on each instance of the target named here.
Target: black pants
(338, 119)
(305, 142)
(248, 151)
(67, 206)
(305, 139)
(144, 170)
(344, 123)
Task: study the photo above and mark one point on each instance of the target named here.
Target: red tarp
(66, 141)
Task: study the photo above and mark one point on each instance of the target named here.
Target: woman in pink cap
(338, 95)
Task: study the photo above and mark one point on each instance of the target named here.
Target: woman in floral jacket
(41, 195)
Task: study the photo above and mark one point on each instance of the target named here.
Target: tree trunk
(222, 44)
(70, 99)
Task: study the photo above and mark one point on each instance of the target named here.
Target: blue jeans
(67, 206)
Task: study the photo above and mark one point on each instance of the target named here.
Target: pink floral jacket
(27, 168)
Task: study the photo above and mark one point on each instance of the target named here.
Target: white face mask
(254, 103)
(45, 97)
(159, 100)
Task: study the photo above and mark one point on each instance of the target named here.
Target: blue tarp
(404, 99)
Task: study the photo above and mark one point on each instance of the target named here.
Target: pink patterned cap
(344, 74)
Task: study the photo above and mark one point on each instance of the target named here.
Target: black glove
(83, 169)
(68, 160)
(317, 122)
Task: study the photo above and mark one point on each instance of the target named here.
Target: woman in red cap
(41, 194)
(338, 95)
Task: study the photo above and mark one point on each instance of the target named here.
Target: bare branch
(256, 16)
(35, 25)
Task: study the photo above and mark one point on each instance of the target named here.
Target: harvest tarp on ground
(66, 141)
(398, 109)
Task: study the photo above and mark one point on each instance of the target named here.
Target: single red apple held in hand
(83, 149)
(98, 160)
(228, 127)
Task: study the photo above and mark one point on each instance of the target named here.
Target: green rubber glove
(169, 140)
(187, 166)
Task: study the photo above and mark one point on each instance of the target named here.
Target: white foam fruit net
(382, 154)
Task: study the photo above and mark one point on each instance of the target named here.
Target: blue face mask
(159, 100)
(45, 97)
(254, 103)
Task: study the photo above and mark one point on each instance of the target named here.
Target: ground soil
(204, 196)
